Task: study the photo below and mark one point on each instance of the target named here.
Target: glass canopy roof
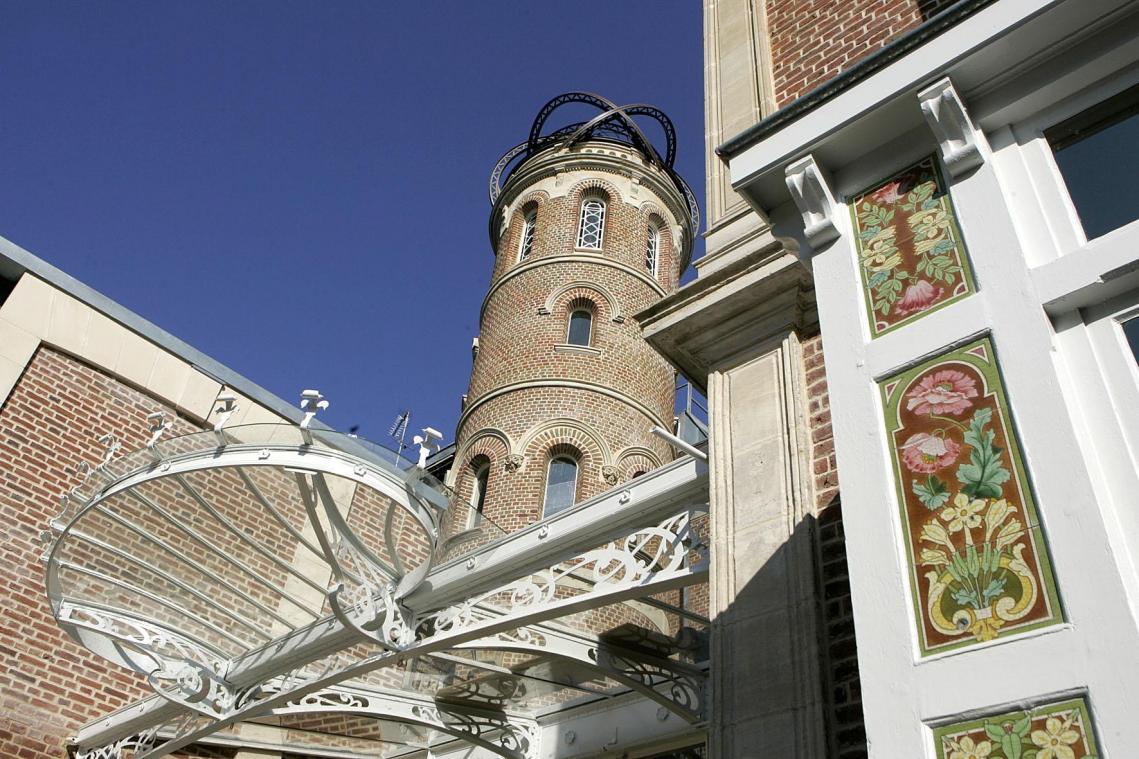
(317, 591)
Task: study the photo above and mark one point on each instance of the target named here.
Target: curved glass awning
(307, 585)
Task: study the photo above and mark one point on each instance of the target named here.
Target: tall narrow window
(1095, 151)
(527, 243)
(652, 249)
(561, 485)
(580, 326)
(592, 227)
(478, 493)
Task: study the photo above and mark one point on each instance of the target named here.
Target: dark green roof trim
(872, 63)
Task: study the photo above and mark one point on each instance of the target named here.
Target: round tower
(590, 224)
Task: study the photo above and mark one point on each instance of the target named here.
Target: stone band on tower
(589, 225)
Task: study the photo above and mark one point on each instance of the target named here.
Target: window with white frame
(1095, 152)
(528, 227)
(591, 229)
(561, 485)
(1131, 334)
(652, 249)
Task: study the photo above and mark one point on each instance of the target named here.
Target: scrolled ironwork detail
(136, 744)
(649, 554)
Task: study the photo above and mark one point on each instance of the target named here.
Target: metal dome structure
(613, 122)
(302, 580)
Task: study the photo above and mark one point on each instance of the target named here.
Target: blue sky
(299, 189)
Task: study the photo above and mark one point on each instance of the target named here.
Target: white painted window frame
(582, 242)
(652, 250)
(526, 243)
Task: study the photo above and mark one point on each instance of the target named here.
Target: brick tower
(589, 226)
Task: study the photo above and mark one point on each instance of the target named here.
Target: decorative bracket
(813, 197)
(159, 424)
(959, 140)
(227, 407)
(311, 402)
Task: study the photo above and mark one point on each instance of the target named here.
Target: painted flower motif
(917, 297)
(890, 193)
(1056, 739)
(929, 224)
(927, 453)
(998, 512)
(881, 252)
(935, 533)
(934, 557)
(962, 513)
(986, 628)
(966, 748)
(944, 392)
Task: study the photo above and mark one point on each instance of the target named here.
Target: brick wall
(825, 467)
(523, 332)
(50, 685)
(815, 40)
(846, 729)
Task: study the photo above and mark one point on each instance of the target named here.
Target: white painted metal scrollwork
(509, 737)
(177, 668)
(137, 744)
(648, 555)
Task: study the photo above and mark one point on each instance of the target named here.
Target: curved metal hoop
(614, 122)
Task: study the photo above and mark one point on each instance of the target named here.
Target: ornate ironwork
(144, 741)
(649, 555)
(177, 668)
(614, 122)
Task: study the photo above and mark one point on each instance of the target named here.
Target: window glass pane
(527, 236)
(480, 488)
(1096, 153)
(580, 322)
(651, 250)
(592, 224)
(561, 485)
(1131, 331)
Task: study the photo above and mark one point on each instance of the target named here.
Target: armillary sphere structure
(613, 122)
(301, 581)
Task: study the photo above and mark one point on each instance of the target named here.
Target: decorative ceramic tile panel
(910, 250)
(1054, 731)
(978, 564)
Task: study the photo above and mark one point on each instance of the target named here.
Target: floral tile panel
(910, 250)
(978, 564)
(1054, 731)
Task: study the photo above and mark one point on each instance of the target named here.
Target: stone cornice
(731, 310)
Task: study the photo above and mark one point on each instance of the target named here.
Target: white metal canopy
(314, 583)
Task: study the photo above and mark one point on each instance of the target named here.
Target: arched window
(561, 485)
(580, 327)
(591, 230)
(652, 249)
(478, 490)
(527, 243)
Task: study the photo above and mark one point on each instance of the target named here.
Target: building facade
(945, 207)
(920, 545)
